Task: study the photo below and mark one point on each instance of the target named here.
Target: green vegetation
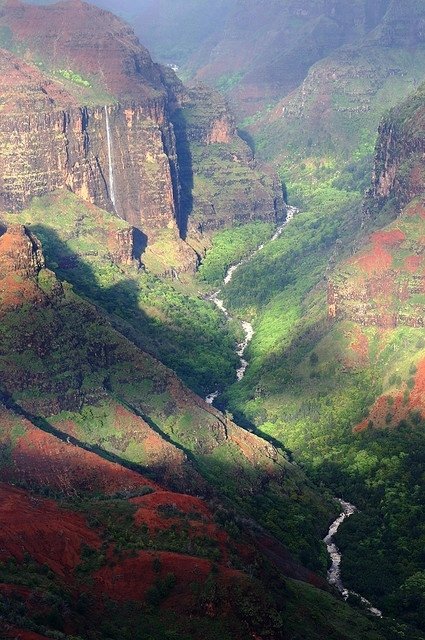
(74, 77)
(306, 387)
(229, 247)
(182, 330)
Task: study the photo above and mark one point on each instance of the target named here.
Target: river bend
(246, 326)
(334, 573)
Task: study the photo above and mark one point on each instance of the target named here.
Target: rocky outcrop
(222, 184)
(121, 246)
(20, 252)
(399, 166)
(207, 117)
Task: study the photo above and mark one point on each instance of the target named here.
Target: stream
(334, 573)
(246, 326)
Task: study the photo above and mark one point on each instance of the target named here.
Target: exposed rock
(103, 127)
(20, 252)
(121, 246)
(399, 167)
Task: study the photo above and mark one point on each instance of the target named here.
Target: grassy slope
(141, 384)
(310, 382)
(183, 331)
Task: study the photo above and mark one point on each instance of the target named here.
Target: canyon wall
(398, 173)
(104, 121)
(383, 284)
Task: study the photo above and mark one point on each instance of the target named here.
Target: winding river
(334, 573)
(246, 326)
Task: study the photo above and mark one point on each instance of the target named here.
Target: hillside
(90, 426)
(336, 362)
(130, 506)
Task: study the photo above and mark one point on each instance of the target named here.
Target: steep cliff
(114, 156)
(383, 284)
(222, 184)
(398, 175)
(96, 115)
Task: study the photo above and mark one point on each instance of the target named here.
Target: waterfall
(111, 168)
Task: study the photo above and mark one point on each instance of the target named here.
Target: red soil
(383, 407)
(360, 346)
(156, 449)
(41, 460)
(130, 579)
(413, 263)
(398, 409)
(40, 528)
(391, 238)
(415, 209)
(378, 258)
(148, 514)
(417, 396)
(20, 634)
(14, 292)
(147, 508)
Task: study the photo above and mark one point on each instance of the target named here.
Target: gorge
(247, 327)
(191, 368)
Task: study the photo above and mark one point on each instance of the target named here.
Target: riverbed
(247, 327)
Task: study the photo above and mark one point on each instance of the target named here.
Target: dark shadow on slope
(185, 171)
(140, 242)
(184, 347)
(249, 139)
(47, 427)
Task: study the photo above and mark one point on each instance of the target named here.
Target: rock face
(399, 166)
(112, 156)
(383, 284)
(98, 120)
(20, 252)
(222, 184)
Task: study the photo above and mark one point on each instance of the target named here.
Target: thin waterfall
(111, 168)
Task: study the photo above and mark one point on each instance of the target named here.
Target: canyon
(169, 450)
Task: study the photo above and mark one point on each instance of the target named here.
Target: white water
(334, 573)
(246, 326)
(110, 163)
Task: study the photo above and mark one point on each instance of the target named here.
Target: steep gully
(334, 573)
(246, 326)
